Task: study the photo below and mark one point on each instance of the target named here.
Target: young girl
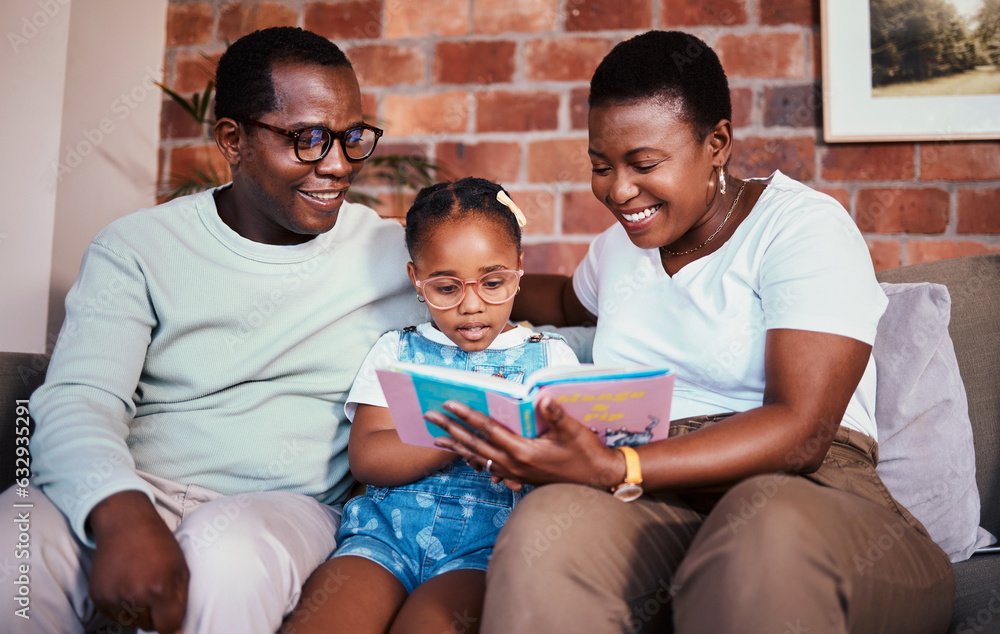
(412, 552)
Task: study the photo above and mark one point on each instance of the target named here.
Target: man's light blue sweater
(194, 354)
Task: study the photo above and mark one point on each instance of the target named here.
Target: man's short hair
(243, 86)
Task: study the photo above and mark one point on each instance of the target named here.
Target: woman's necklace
(714, 233)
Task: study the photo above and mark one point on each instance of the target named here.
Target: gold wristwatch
(631, 488)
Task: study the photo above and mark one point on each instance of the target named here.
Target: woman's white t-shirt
(797, 261)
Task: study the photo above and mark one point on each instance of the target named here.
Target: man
(191, 428)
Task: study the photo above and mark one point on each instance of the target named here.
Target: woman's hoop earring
(722, 180)
(420, 298)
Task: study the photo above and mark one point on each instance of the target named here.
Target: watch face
(628, 492)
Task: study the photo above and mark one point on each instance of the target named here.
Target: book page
(591, 372)
(462, 378)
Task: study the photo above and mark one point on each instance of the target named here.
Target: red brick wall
(497, 88)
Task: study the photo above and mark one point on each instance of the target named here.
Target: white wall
(91, 111)
(113, 113)
(32, 72)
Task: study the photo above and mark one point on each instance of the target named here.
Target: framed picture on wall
(910, 70)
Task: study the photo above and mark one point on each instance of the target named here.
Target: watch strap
(633, 470)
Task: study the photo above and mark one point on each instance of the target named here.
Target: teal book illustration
(624, 405)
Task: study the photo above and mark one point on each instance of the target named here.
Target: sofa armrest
(20, 374)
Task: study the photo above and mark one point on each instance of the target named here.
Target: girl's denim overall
(448, 520)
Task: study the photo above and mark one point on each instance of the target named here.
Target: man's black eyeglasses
(312, 144)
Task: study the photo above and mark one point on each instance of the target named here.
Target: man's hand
(139, 577)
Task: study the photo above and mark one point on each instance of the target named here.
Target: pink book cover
(625, 406)
(622, 411)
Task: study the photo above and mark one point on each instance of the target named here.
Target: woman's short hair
(666, 66)
(243, 86)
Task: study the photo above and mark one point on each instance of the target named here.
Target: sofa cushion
(973, 282)
(977, 595)
(926, 452)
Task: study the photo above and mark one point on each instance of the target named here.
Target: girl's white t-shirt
(368, 391)
(797, 261)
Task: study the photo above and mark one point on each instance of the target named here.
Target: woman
(762, 512)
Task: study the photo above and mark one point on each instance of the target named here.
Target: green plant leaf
(180, 100)
(206, 99)
(196, 105)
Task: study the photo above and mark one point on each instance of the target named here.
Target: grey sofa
(974, 284)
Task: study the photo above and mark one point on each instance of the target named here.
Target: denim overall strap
(513, 363)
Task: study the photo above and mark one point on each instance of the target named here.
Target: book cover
(627, 405)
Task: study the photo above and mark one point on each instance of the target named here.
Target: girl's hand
(567, 452)
(378, 457)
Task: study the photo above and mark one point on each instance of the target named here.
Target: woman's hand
(809, 380)
(567, 452)
(480, 465)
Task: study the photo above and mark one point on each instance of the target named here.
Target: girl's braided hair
(467, 197)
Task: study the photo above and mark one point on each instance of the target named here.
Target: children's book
(627, 405)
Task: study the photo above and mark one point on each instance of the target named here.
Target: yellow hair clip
(518, 214)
